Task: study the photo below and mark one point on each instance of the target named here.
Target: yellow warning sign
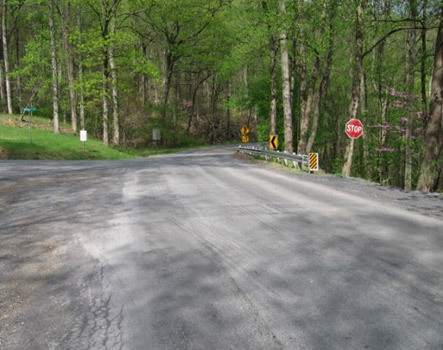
(245, 130)
(273, 142)
(245, 138)
(313, 161)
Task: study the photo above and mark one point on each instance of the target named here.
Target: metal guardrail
(298, 160)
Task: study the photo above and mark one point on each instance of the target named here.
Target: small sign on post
(156, 134)
(354, 128)
(245, 133)
(245, 130)
(273, 142)
(83, 138)
(313, 162)
(30, 110)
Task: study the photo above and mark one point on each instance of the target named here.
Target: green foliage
(15, 144)
(220, 50)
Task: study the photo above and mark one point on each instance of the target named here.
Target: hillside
(15, 142)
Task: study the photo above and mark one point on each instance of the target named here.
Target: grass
(15, 143)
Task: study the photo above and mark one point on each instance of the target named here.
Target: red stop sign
(354, 128)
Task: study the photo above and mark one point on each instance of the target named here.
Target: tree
(6, 57)
(106, 11)
(431, 165)
(357, 74)
(287, 109)
(54, 67)
(65, 15)
(410, 68)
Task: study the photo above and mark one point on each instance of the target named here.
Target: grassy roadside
(15, 143)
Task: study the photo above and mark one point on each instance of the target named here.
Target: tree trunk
(306, 115)
(245, 80)
(80, 68)
(2, 88)
(357, 74)
(18, 87)
(410, 68)
(114, 91)
(70, 67)
(105, 102)
(424, 100)
(169, 66)
(324, 84)
(191, 114)
(194, 98)
(363, 110)
(303, 87)
(6, 58)
(432, 161)
(322, 90)
(273, 76)
(287, 110)
(228, 113)
(273, 102)
(54, 68)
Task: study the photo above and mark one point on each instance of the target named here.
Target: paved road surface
(201, 250)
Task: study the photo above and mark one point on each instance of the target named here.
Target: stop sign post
(354, 128)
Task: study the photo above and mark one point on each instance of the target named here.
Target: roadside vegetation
(16, 135)
(197, 71)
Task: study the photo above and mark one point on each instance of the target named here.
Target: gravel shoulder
(428, 204)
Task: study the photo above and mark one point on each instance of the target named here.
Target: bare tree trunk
(70, 66)
(410, 67)
(273, 76)
(105, 103)
(191, 114)
(2, 87)
(245, 79)
(194, 98)
(357, 70)
(306, 113)
(114, 91)
(383, 134)
(18, 86)
(424, 102)
(273, 102)
(80, 68)
(228, 113)
(287, 110)
(105, 71)
(432, 161)
(314, 96)
(324, 84)
(319, 99)
(54, 68)
(169, 67)
(303, 89)
(363, 110)
(6, 58)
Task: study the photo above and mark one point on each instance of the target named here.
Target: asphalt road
(203, 250)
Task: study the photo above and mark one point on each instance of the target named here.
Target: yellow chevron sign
(273, 142)
(313, 161)
(245, 130)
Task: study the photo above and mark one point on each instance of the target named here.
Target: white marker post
(83, 138)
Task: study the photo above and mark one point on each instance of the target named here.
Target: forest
(198, 70)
